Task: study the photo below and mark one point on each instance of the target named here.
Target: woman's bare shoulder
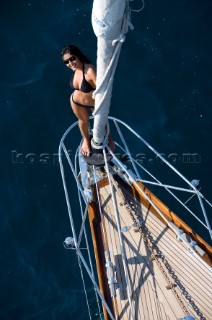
(89, 68)
(90, 71)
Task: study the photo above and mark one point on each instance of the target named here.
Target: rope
(110, 71)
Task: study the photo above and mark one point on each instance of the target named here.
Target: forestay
(110, 20)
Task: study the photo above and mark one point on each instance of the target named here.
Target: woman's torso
(84, 85)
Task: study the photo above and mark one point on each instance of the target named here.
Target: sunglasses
(73, 58)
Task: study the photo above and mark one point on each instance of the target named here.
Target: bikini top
(85, 85)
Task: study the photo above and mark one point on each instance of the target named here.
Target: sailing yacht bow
(150, 264)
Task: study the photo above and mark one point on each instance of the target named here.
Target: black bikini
(85, 87)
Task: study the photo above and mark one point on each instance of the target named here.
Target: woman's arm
(90, 73)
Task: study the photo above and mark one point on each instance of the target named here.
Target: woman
(83, 82)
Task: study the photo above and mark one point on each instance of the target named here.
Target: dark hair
(72, 49)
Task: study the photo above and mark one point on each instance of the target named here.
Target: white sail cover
(110, 23)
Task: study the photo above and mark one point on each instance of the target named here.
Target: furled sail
(110, 19)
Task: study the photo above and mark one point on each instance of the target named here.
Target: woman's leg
(83, 121)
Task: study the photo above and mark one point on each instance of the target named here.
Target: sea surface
(162, 88)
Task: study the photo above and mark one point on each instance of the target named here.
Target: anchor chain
(160, 259)
(156, 255)
(148, 239)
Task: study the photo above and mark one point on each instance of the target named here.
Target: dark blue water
(165, 74)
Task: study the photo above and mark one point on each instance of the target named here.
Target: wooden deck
(156, 261)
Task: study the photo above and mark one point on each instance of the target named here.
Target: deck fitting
(171, 286)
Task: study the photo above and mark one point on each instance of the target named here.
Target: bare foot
(111, 143)
(86, 149)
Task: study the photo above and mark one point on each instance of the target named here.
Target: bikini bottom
(79, 104)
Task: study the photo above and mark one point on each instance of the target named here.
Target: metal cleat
(69, 243)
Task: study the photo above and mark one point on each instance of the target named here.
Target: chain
(148, 239)
(157, 255)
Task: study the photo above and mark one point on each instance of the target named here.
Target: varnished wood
(102, 183)
(151, 299)
(152, 296)
(94, 220)
(171, 217)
